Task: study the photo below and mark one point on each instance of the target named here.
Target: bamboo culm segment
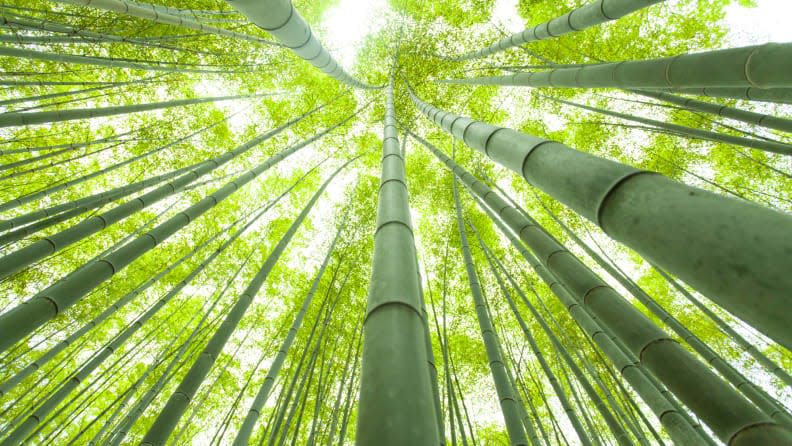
(260, 399)
(170, 415)
(504, 389)
(23, 319)
(9, 384)
(733, 419)
(666, 222)
(279, 18)
(396, 405)
(673, 420)
(591, 14)
(763, 67)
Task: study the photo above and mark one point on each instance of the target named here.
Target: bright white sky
(347, 25)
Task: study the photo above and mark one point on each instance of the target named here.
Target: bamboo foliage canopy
(396, 222)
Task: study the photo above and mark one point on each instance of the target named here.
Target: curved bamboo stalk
(279, 18)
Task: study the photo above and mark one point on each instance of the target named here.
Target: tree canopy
(195, 210)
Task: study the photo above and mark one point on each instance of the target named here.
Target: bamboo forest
(396, 222)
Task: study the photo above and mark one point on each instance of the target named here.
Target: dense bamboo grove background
(224, 224)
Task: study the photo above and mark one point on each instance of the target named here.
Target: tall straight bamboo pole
(754, 393)
(120, 431)
(505, 391)
(40, 213)
(666, 222)
(22, 431)
(748, 117)
(396, 405)
(773, 95)
(618, 432)
(19, 259)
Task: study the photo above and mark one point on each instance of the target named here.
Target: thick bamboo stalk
(11, 382)
(586, 16)
(762, 66)
(64, 293)
(279, 18)
(166, 421)
(746, 345)
(396, 404)
(666, 222)
(753, 392)
(505, 391)
(681, 428)
(729, 414)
